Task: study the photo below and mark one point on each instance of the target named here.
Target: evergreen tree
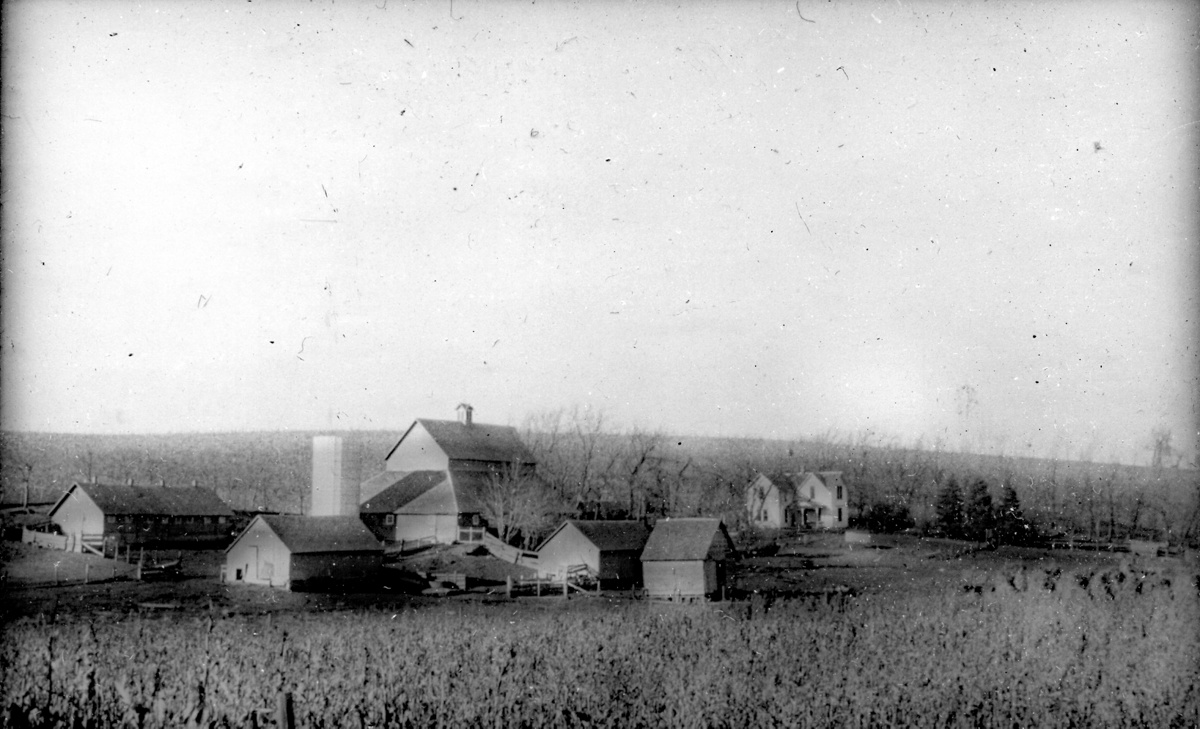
(978, 516)
(950, 509)
(1011, 524)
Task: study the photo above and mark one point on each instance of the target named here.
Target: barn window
(812, 492)
(389, 519)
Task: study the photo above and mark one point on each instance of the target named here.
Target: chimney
(334, 481)
(464, 413)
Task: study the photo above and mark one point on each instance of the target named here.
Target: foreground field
(1067, 657)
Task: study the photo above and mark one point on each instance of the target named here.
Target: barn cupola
(464, 413)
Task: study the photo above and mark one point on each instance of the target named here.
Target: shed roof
(404, 488)
(151, 500)
(474, 442)
(315, 534)
(686, 540)
(469, 487)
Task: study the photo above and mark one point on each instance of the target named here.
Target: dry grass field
(933, 633)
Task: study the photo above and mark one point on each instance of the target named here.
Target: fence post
(508, 587)
(56, 573)
(87, 572)
(564, 585)
(284, 715)
(538, 582)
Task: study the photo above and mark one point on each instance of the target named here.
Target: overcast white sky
(974, 221)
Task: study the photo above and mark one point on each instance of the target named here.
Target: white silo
(334, 478)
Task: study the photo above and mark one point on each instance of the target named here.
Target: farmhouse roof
(155, 500)
(474, 442)
(686, 540)
(610, 536)
(315, 534)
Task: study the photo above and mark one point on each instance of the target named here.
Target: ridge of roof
(609, 535)
(687, 539)
(154, 500)
(318, 534)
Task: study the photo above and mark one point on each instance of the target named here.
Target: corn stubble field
(1075, 655)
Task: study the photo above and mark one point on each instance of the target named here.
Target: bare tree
(516, 502)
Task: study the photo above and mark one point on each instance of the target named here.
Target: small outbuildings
(610, 550)
(685, 559)
(290, 551)
(98, 515)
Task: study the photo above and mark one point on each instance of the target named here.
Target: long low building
(290, 551)
(98, 514)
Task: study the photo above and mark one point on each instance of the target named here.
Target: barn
(432, 506)
(99, 515)
(281, 550)
(453, 445)
(435, 478)
(611, 550)
(685, 559)
(813, 499)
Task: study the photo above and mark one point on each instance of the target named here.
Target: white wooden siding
(418, 452)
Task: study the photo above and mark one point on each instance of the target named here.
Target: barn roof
(315, 534)
(469, 490)
(614, 536)
(404, 488)
(686, 540)
(153, 500)
(474, 442)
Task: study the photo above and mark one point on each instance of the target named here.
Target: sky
(965, 224)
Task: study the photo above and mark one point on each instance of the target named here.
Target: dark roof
(313, 534)
(155, 500)
(687, 539)
(404, 489)
(475, 442)
(614, 536)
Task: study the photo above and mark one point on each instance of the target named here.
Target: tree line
(590, 469)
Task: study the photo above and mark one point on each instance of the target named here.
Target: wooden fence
(507, 553)
(570, 579)
(44, 540)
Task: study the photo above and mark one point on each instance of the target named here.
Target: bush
(887, 518)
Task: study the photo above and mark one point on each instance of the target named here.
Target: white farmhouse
(809, 500)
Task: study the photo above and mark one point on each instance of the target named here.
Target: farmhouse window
(166, 520)
(220, 520)
(839, 514)
(389, 519)
(839, 495)
(110, 518)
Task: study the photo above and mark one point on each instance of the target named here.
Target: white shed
(291, 550)
(685, 558)
(610, 550)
